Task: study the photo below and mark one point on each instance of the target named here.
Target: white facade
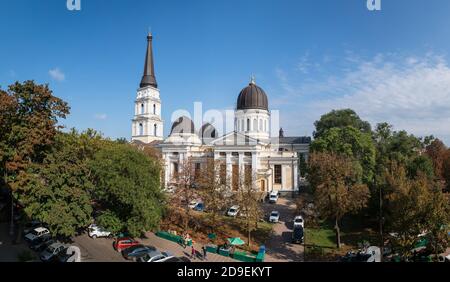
(147, 125)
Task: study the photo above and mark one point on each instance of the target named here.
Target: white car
(298, 221)
(95, 231)
(273, 197)
(154, 256)
(274, 216)
(36, 233)
(193, 204)
(233, 211)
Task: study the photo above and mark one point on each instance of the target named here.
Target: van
(297, 235)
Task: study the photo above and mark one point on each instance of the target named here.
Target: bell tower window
(141, 129)
(154, 109)
(155, 130)
(142, 109)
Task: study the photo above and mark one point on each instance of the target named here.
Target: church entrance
(263, 185)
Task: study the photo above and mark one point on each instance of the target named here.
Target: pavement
(101, 249)
(279, 247)
(10, 251)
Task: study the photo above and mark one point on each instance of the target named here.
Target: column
(254, 166)
(229, 166)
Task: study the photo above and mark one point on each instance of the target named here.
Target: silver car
(51, 252)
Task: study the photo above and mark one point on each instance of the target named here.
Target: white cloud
(412, 93)
(57, 74)
(101, 116)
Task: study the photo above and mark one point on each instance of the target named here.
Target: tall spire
(148, 79)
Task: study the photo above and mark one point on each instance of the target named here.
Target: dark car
(39, 244)
(137, 251)
(297, 235)
(63, 256)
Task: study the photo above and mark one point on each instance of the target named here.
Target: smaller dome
(208, 131)
(182, 125)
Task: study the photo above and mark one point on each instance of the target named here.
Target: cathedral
(273, 160)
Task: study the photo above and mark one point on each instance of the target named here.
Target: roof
(40, 229)
(252, 97)
(148, 78)
(291, 140)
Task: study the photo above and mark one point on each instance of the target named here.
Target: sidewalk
(177, 250)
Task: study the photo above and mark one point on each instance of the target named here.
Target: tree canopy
(340, 119)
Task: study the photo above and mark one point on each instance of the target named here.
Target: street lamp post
(11, 228)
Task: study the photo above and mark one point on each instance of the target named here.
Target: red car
(124, 243)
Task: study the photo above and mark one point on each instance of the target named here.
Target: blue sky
(309, 56)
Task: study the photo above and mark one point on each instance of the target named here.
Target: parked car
(95, 231)
(137, 251)
(274, 216)
(298, 221)
(153, 256)
(273, 197)
(297, 235)
(63, 256)
(40, 243)
(192, 204)
(199, 207)
(51, 252)
(124, 243)
(36, 233)
(30, 226)
(371, 254)
(174, 259)
(233, 211)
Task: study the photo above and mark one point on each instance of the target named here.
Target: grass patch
(320, 241)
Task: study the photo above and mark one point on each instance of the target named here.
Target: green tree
(57, 191)
(350, 142)
(340, 119)
(127, 187)
(437, 151)
(337, 187)
(412, 207)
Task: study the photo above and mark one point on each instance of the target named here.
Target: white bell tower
(147, 125)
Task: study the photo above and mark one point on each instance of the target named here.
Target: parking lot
(279, 247)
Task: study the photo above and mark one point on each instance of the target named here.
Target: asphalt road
(279, 247)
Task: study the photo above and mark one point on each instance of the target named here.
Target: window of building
(235, 154)
(277, 174)
(223, 174)
(141, 129)
(142, 109)
(155, 130)
(222, 154)
(175, 171)
(248, 174)
(255, 125)
(235, 177)
(154, 109)
(197, 170)
(248, 154)
(248, 124)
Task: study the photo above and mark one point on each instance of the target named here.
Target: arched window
(155, 130)
(154, 109)
(248, 124)
(141, 129)
(142, 109)
(255, 125)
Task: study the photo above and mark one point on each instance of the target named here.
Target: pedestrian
(193, 251)
(204, 252)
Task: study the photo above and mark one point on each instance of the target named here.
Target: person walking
(193, 252)
(204, 252)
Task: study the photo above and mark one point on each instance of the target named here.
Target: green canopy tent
(236, 241)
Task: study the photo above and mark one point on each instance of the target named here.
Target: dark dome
(182, 125)
(208, 131)
(252, 97)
